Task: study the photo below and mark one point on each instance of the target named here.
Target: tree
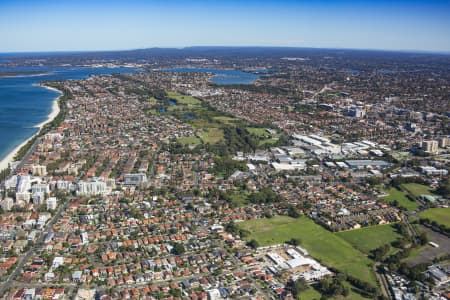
(253, 243)
(423, 238)
(378, 253)
(444, 188)
(292, 212)
(294, 242)
(297, 286)
(178, 248)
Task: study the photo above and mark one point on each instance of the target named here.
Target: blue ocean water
(24, 104)
(221, 77)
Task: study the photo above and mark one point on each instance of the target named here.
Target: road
(25, 157)
(28, 154)
(4, 286)
(384, 283)
(152, 168)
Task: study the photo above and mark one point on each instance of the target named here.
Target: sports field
(322, 244)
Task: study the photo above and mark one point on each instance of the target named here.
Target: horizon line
(411, 51)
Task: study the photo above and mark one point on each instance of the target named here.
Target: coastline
(4, 163)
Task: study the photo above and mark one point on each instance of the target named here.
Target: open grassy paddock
(400, 196)
(369, 238)
(416, 189)
(322, 244)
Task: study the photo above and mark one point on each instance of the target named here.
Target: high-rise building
(430, 146)
(93, 187)
(52, 203)
(7, 204)
(444, 142)
(39, 170)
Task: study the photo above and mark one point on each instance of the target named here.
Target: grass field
(152, 100)
(439, 215)
(400, 196)
(325, 246)
(369, 238)
(226, 120)
(309, 294)
(190, 140)
(182, 99)
(152, 112)
(212, 135)
(312, 294)
(259, 132)
(416, 189)
(264, 137)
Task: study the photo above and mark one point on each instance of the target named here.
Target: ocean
(24, 104)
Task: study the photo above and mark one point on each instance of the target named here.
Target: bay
(24, 104)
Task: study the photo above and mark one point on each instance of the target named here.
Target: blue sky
(59, 25)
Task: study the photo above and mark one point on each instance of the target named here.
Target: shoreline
(4, 163)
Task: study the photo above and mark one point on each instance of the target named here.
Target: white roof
(300, 261)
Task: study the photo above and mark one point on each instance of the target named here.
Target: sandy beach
(55, 111)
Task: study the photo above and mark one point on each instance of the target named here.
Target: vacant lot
(327, 247)
(400, 196)
(369, 238)
(439, 215)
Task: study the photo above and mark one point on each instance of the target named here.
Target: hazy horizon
(443, 52)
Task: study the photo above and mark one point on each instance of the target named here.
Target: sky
(84, 25)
